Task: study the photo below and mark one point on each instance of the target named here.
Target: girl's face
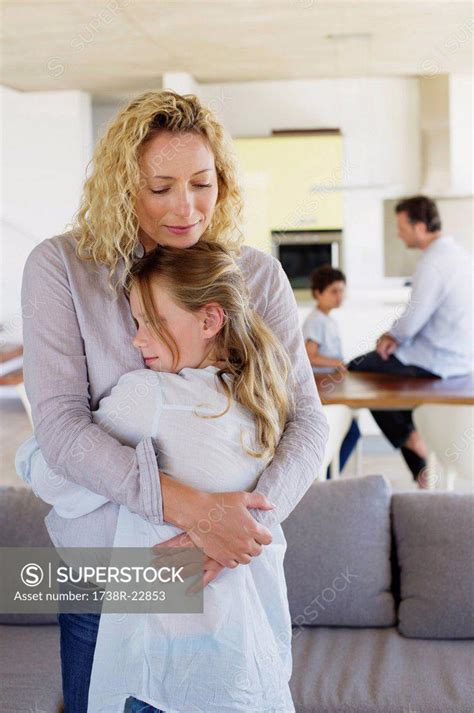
(178, 191)
(193, 332)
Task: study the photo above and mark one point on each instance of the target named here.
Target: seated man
(433, 337)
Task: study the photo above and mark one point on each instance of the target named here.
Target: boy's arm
(317, 359)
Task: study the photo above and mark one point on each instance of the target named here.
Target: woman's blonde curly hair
(106, 224)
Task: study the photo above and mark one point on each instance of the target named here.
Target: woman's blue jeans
(78, 639)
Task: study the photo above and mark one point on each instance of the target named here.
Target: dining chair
(24, 399)
(449, 434)
(339, 419)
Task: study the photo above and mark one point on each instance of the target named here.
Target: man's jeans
(395, 425)
(78, 639)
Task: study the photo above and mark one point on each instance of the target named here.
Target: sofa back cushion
(22, 525)
(434, 534)
(337, 563)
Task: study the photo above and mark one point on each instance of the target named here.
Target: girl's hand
(190, 564)
(218, 523)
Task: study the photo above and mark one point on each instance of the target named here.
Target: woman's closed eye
(198, 185)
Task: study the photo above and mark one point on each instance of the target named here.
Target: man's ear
(213, 318)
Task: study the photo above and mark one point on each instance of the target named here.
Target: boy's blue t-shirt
(322, 329)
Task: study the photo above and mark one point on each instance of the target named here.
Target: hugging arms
(62, 371)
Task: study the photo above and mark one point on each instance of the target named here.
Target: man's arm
(426, 295)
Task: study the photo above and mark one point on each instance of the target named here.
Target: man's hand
(386, 345)
(218, 523)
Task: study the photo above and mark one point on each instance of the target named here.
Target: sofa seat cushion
(337, 563)
(342, 670)
(30, 668)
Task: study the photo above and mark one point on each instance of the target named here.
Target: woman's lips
(179, 230)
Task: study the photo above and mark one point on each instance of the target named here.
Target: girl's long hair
(106, 224)
(252, 355)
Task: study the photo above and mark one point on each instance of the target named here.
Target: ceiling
(107, 46)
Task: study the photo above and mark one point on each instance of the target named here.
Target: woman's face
(178, 190)
(193, 333)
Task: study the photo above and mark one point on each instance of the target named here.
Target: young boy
(322, 340)
(320, 331)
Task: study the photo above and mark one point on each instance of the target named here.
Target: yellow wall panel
(303, 175)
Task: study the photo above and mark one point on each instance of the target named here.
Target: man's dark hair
(324, 276)
(421, 209)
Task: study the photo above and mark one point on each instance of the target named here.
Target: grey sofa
(380, 588)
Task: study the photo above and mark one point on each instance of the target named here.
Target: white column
(461, 93)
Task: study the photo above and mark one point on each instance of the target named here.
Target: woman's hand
(218, 523)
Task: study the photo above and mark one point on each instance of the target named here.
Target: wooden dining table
(359, 390)
(385, 391)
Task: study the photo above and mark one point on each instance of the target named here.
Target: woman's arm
(127, 414)
(297, 460)
(300, 452)
(81, 451)
(56, 382)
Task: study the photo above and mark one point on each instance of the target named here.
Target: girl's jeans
(78, 638)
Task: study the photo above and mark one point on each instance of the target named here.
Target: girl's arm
(126, 414)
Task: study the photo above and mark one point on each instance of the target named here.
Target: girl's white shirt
(236, 655)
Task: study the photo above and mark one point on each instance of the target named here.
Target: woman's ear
(213, 318)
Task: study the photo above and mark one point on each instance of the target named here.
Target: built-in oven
(302, 251)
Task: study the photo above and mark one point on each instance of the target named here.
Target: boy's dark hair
(421, 209)
(324, 276)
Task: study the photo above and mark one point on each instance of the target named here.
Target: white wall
(46, 144)
(379, 119)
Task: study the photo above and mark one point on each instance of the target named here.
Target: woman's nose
(184, 203)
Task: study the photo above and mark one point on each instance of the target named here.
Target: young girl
(215, 398)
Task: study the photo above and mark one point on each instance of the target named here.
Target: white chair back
(449, 434)
(339, 419)
(24, 399)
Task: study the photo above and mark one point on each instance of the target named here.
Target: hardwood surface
(10, 351)
(12, 378)
(380, 391)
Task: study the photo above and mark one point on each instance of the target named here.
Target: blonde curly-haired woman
(162, 174)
